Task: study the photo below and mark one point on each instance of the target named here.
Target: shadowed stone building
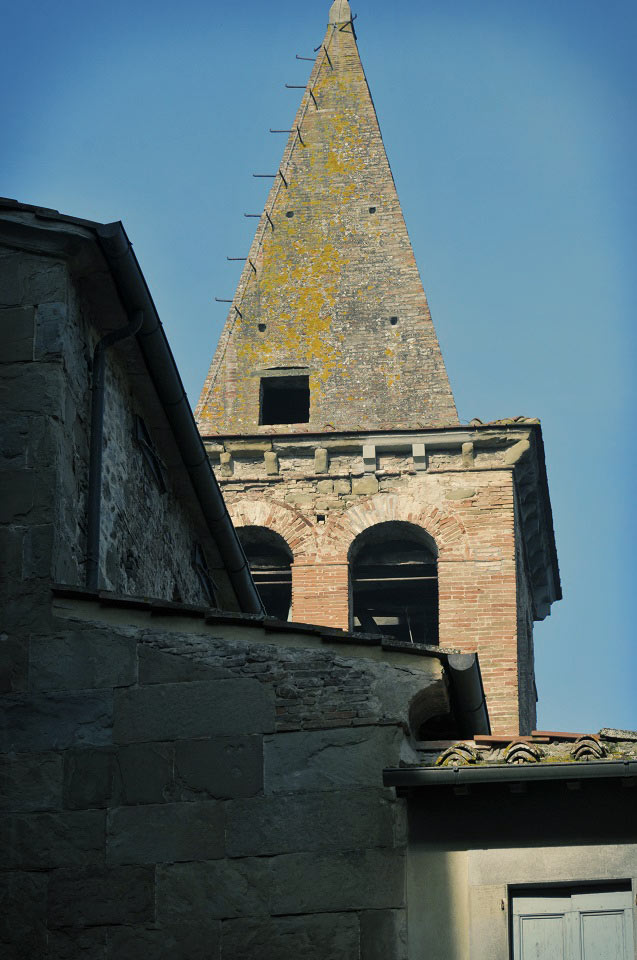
(197, 765)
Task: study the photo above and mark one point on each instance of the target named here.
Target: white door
(573, 926)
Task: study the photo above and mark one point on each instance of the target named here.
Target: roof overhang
(469, 775)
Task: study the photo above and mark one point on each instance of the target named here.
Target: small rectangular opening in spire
(284, 399)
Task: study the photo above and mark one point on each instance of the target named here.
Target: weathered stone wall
(192, 791)
(319, 501)
(147, 536)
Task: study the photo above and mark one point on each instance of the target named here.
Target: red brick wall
(470, 516)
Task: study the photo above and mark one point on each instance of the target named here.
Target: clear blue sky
(510, 129)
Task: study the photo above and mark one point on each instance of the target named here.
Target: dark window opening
(372, 209)
(262, 327)
(290, 213)
(285, 400)
(270, 563)
(394, 580)
(393, 321)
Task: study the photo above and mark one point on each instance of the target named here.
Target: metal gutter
(468, 700)
(469, 774)
(163, 372)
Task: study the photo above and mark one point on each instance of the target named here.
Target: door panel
(602, 936)
(595, 925)
(543, 938)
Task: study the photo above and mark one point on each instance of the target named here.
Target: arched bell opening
(394, 583)
(270, 561)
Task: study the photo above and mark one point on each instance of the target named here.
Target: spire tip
(340, 12)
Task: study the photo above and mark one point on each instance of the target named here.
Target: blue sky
(510, 131)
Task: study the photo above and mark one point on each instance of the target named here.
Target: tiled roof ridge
(548, 746)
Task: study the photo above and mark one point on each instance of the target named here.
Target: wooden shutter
(573, 926)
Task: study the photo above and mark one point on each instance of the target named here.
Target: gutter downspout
(160, 362)
(467, 694)
(94, 506)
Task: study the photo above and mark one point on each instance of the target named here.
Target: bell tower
(361, 501)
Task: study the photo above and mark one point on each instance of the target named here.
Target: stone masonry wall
(47, 341)
(200, 793)
(465, 503)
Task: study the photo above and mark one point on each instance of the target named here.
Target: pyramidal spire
(329, 328)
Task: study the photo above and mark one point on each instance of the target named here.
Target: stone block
(38, 551)
(300, 499)
(369, 458)
(44, 280)
(88, 778)
(16, 334)
(460, 493)
(325, 486)
(144, 773)
(71, 944)
(200, 892)
(220, 767)
(419, 455)
(26, 609)
(158, 666)
(467, 455)
(271, 460)
(333, 936)
(14, 440)
(329, 759)
(172, 711)
(11, 287)
(321, 460)
(192, 942)
(14, 662)
(32, 388)
(11, 543)
(55, 721)
(383, 935)
(44, 840)
(31, 781)
(226, 464)
(83, 660)
(50, 320)
(293, 823)
(248, 446)
(25, 495)
(342, 487)
(96, 897)
(165, 833)
(307, 883)
(326, 503)
(516, 452)
(364, 486)
(23, 913)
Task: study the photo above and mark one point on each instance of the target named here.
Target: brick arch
(445, 528)
(283, 519)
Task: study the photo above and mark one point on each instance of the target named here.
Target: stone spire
(330, 298)
(340, 12)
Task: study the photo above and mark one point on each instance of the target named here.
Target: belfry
(361, 501)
